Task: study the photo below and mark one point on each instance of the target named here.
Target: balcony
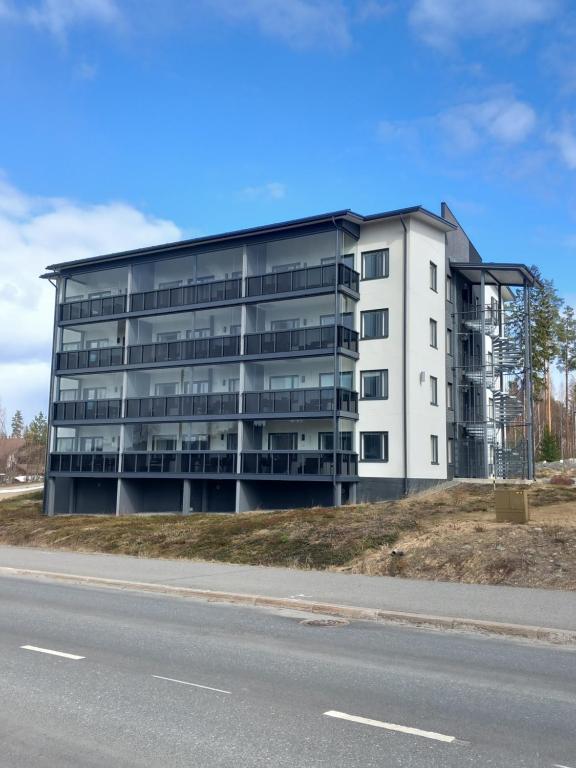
(194, 349)
(300, 401)
(202, 293)
(300, 339)
(89, 358)
(310, 278)
(217, 404)
(87, 308)
(80, 410)
(181, 462)
(91, 463)
(299, 463)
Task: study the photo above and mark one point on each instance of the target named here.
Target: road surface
(93, 678)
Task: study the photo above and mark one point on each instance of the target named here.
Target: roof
(416, 211)
(509, 275)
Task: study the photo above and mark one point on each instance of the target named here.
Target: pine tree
(37, 431)
(17, 424)
(567, 362)
(548, 449)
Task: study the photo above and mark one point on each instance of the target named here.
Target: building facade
(319, 361)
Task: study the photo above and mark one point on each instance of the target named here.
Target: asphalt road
(168, 682)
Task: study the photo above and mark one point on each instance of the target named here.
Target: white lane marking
(194, 685)
(52, 653)
(392, 727)
(557, 765)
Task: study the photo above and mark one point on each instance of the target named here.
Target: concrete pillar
(353, 493)
(337, 498)
(204, 496)
(124, 503)
(246, 496)
(186, 487)
(49, 496)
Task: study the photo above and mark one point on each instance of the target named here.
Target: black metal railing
(299, 463)
(217, 404)
(193, 349)
(84, 462)
(300, 401)
(89, 358)
(78, 410)
(181, 462)
(107, 305)
(300, 339)
(199, 293)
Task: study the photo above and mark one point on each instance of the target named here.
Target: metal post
(336, 491)
(484, 409)
(529, 405)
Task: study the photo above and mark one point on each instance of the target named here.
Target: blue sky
(128, 122)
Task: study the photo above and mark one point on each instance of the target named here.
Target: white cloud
(274, 190)
(300, 23)
(35, 232)
(564, 140)
(57, 16)
(463, 128)
(442, 22)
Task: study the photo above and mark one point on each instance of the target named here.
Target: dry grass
(449, 535)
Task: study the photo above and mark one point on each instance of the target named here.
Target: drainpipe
(48, 497)
(405, 354)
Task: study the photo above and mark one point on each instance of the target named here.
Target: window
(449, 288)
(346, 319)
(232, 441)
(450, 450)
(433, 333)
(234, 330)
(199, 387)
(433, 390)
(97, 343)
(168, 336)
(283, 382)
(327, 380)
(163, 443)
(90, 444)
(170, 284)
(99, 294)
(450, 395)
(287, 267)
(283, 441)
(375, 264)
(374, 446)
(166, 389)
(491, 408)
(434, 449)
(234, 384)
(375, 324)
(196, 442)
(433, 277)
(94, 393)
(326, 441)
(449, 342)
(198, 333)
(284, 325)
(374, 385)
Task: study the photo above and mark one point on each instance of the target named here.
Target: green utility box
(512, 505)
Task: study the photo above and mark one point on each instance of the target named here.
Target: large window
(450, 450)
(433, 390)
(433, 277)
(327, 379)
(374, 446)
(374, 385)
(449, 288)
(449, 341)
(433, 333)
(434, 449)
(284, 382)
(283, 441)
(450, 395)
(326, 441)
(375, 324)
(375, 264)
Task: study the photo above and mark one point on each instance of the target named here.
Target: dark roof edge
(488, 266)
(240, 233)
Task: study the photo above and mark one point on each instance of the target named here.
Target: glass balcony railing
(217, 404)
(299, 463)
(79, 410)
(301, 280)
(300, 339)
(181, 462)
(84, 462)
(202, 293)
(300, 401)
(194, 349)
(89, 358)
(78, 310)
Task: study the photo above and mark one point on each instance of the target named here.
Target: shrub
(561, 480)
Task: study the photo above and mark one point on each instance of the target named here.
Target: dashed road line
(194, 685)
(392, 727)
(72, 656)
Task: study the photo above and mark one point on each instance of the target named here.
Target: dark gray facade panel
(289, 494)
(458, 244)
(387, 488)
(94, 496)
(163, 495)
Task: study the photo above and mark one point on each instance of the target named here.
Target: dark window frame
(384, 444)
(384, 264)
(433, 324)
(385, 322)
(434, 450)
(434, 277)
(434, 390)
(384, 379)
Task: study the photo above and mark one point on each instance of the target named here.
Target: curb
(523, 631)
